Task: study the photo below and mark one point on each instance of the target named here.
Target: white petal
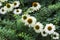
(0, 4)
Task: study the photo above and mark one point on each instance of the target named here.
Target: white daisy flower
(3, 0)
(43, 33)
(9, 7)
(55, 35)
(49, 28)
(3, 10)
(17, 11)
(36, 6)
(24, 17)
(30, 21)
(38, 27)
(0, 4)
(16, 4)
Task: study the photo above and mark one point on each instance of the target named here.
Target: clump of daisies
(9, 7)
(28, 20)
(35, 6)
(31, 21)
(16, 4)
(38, 27)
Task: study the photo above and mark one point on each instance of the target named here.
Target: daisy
(36, 6)
(17, 11)
(0, 4)
(3, 10)
(38, 27)
(30, 21)
(24, 17)
(55, 35)
(9, 7)
(49, 28)
(16, 4)
(3, 0)
(43, 33)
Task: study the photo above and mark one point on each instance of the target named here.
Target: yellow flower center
(2, 10)
(15, 4)
(37, 27)
(17, 10)
(34, 4)
(44, 32)
(24, 17)
(8, 5)
(29, 20)
(54, 35)
(49, 28)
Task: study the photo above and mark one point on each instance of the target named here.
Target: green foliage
(25, 36)
(7, 33)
